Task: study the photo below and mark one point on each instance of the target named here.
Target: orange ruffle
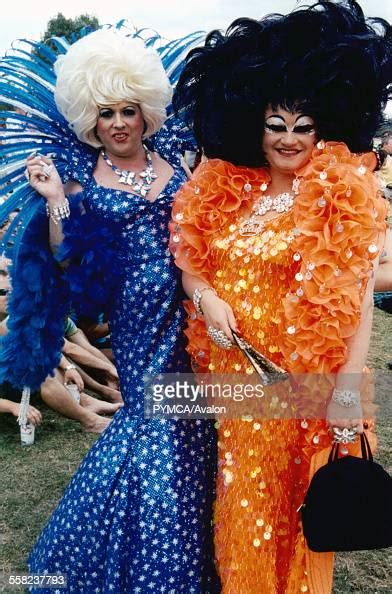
(264, 466)
(205, 205)
(339, 215)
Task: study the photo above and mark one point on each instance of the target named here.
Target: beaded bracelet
(346, 398)
(58, 213)
(197, 295)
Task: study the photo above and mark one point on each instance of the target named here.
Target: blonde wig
(104, 68)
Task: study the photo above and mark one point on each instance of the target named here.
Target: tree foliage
(60, 26)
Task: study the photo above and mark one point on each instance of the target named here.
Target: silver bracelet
(196, 298)
(58, 213)
(346, 398)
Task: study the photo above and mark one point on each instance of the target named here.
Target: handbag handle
(365, 449)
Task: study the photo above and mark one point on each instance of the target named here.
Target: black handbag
(348, 505)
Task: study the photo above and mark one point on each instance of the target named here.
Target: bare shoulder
(72, 187)
(162, 167)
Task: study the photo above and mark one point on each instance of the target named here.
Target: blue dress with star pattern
(136, 517)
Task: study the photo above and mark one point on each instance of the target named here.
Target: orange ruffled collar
(339, 217)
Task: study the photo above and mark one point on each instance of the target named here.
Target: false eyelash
(276, 128)
(304, 129)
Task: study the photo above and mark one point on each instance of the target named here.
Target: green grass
(33, 479)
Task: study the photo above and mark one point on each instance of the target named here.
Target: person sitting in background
(56, 391)
(98, 371)
(97, 332)
(33, 414)
(86, 410)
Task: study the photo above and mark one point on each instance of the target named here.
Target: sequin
(128, 504)
(244, 503)
(232, 228)
(291, 330)
(176, 238)
(294, 356)
(281, 246)
(321, 201)
(337, 272)
(267, 535)
(321, 145)
(256, 313)
(247, 187)
(316, 439)
(323, 175)
(299, 277)
(263, 187)
(304, 424)
(259, 522)
(256, 426)
(308, 275)
(372, 249)
(228, 476)
(256, 542)
(299, 292)
(179, 216)
(304, 588)
(339, 228)
(362, 170)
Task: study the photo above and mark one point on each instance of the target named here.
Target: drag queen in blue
(136, 517)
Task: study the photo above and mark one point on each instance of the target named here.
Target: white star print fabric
(137, 516)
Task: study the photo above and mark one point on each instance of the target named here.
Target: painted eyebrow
(279, 117)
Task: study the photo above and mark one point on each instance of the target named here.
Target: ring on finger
(345, 435)
(219, 337)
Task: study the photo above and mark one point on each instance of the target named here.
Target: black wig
(326, 60)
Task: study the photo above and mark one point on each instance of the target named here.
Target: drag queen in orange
(278, 235)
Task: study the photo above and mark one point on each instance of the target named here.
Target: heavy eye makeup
(275, 125)
(106, 112)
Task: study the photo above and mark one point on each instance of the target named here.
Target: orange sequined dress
(295, 288)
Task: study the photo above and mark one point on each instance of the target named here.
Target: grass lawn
(33, 479)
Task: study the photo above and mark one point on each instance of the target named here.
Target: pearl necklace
(140, 187)
(281, 203)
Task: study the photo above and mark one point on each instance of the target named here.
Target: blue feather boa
(43, 293)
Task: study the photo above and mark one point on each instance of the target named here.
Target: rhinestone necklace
(281, 203)
(140, 186)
